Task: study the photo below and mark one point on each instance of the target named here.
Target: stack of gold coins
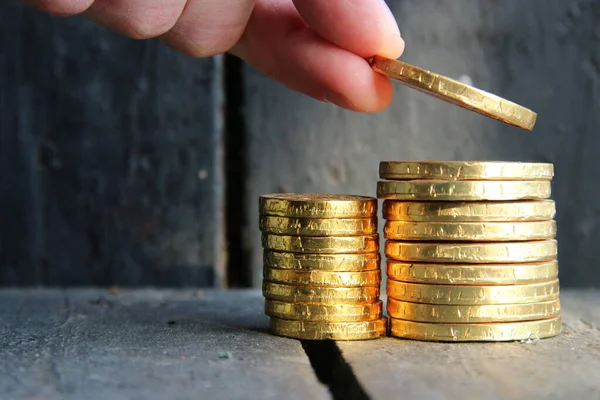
(471, 250)
(322, 272)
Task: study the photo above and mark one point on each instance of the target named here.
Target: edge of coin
(472, 211)
(320, 294)
(317, 205)
(465, 170)
(470, 231)
(472, 274)
(455, 92)
(308, 330)
(495, 332)
(321, 244)
(473, 295)
(480, 253)
(324, 312)
(322, 278)
(440, 190)
(318, 226)
(459, 314)
(351, 262)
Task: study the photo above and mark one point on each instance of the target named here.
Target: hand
(316, 47)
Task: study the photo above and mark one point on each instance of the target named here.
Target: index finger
(60, 7)
(363, 27)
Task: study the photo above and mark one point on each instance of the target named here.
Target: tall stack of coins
(321, 266)
(471, 250)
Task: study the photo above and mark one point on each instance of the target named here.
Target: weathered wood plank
(540, 53)
(148, 345)
(564, 367)
(156, 344)
(110, 158)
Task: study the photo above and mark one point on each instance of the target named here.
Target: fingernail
(389, 18)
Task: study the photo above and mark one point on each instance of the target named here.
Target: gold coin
(465, 170)
(457, 93)
(492, 332)
(318, 226)
(322, 245)
(322, 262)
(310, 205)
(316, 294)
(310, 330)
(473, 295)
(324, 312)
(476, 253)
(470, 231)
(472, 274)
(463, 190)
(472, 314)
(541, 210)
(323, 278)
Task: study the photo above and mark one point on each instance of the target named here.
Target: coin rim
(277, 204)
(458, 290)
(370, 244)
(374, 333)
(550, 322)
(487, 260)
(549, 229)
(335, 299)
(459, 95)
(425, 188)
(352, 312)
(324, 226)
(551, 264)
(421, 213)
(439, 313)
(329, 262)
(269, 274)
(467, 170)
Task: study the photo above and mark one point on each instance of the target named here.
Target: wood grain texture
(541, 54)
(157, 344)
(146, 344)
(557, 368)
(110, 158)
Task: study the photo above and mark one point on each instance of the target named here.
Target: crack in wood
(333, 371)
(236, 174)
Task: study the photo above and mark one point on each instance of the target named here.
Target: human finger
(363, 27)
(138, 19)
(209, 27)
(281, 45)
(60, 7)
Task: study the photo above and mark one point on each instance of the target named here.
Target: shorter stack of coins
(322, 276)
(471, 250)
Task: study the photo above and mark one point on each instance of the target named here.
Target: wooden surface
(110, 158)
(156, 344)
(113, 151)
(542, 54)
(89, 344)
(565, 367)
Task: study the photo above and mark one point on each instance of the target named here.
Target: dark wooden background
(125, 163)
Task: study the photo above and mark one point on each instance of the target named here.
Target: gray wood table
(161, 344)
